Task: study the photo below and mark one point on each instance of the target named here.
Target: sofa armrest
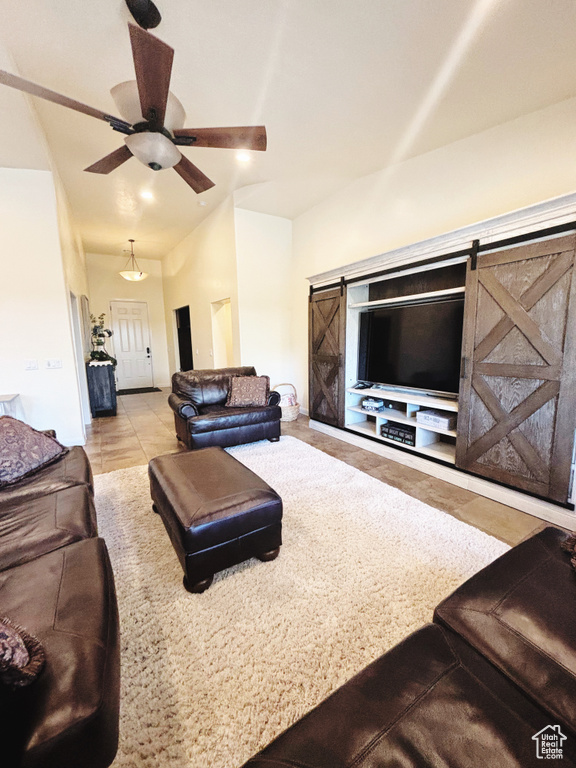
(274, 398)
(388, 714)
(184, 408)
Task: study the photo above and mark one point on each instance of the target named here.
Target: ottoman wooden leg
(267, 556)
(199, 586)
(155, 509)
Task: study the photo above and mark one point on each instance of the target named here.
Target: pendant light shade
(132, 271)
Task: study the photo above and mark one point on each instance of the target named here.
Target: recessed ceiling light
(202, 203)
(243, 157)
(147, 195)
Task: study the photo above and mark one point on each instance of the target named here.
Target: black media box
(402, 433)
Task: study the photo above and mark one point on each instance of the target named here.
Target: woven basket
(289, 412)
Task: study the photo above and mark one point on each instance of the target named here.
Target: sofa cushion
(207, 387)
(69, 717)
(217, 417)
(72, 469)
(518, 612)
(39, 525)
(248, 391)
(24, 450)
(418, 705)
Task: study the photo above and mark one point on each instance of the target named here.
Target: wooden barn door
(517, 394)
(327, 342)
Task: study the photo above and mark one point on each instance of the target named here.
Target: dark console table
(101, 389)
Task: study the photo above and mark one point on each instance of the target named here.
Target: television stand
(429, 441)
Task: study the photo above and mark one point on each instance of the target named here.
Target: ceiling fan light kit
(153, 117)
(132, 271)
(154, 150)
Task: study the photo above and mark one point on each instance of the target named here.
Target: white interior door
(131, 344)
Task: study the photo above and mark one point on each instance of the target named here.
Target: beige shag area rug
(209, 679)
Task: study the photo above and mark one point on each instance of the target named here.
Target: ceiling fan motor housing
(145, 13)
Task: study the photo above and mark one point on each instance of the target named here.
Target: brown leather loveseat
(202, 418)
(492, 682)
(56, 582)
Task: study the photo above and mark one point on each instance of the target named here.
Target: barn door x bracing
(517, 409)
(326, 375)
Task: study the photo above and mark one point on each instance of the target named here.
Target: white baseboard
(544, 510)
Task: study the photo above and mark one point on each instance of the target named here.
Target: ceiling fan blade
(193, 176)
(153, 66)
(111, 161)
(6, 78)
(243, 137)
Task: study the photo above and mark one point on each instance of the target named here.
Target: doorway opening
(222, 334)
(184, 335)
(79, 354)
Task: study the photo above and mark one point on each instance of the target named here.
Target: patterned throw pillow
(569, 545)
(248, 391)
(21, 655)
(24, 450)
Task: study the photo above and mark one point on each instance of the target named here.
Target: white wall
(106, 285)
(514, 165)
(73, 256)
(199, 271)
(264, 266)
(34, 314)
(76, 278)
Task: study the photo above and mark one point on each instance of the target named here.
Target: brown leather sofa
(57, 583)
(202, 419)
(492, 682)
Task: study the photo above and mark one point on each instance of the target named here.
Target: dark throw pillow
(248, 391)
(21, 655)
(24, 450)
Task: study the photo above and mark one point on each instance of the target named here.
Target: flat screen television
(415, 346)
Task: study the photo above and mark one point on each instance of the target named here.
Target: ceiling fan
(153, 117)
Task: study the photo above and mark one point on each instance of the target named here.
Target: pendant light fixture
(132, 271)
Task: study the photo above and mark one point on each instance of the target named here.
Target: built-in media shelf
(429, 440)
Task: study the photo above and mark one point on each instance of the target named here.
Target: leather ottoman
(216, 511)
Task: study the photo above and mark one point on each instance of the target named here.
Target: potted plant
(99, 334)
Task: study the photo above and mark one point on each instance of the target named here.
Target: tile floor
(144, 428)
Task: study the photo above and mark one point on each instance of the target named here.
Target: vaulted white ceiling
(344, 87)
